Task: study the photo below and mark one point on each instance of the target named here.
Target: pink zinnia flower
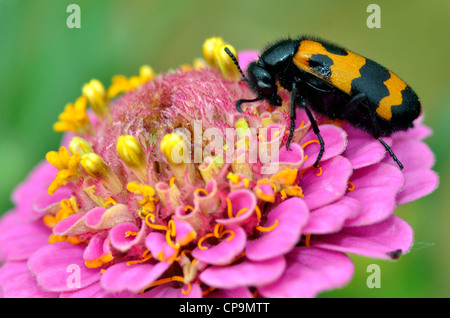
(119, 216)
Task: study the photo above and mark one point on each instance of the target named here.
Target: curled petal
(224, 252)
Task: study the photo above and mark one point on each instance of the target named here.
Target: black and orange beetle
(335, 82)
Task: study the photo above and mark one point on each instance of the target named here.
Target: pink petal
(239, 292)
(335, 139)
(330, 186)
(388, 239)
(224, 252)
(94, 291)
(100, 218)
(45, 202)
(165, 291)
(331, 218)
(17, 282)
(417, 159)
(95, 248)
(241, 199)
(375, 188)
(362, 150)
(133, 278)
(58, 265)
(120, 240)
(247, 273)
(19, 239)
(292, 216)
(310, 271)
(246, 57)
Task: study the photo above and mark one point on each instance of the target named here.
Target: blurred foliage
(43, 65)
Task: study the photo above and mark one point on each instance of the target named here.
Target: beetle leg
(356, 100)
(239, 102)
(292, 114)
(317, 132)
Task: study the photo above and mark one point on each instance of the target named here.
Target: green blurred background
(43, 65)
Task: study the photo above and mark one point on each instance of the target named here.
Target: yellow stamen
(172, 279)
(229, 238)
(188, 208)
(320, 171)
(131, 233)
(241, 211)
(200, 241)
(208, 291)
(267, 229)
(307, 239)
(352, 186)
(155, 226)
(200, 190)
(310, 142)
(258, 213)
(229, 209)
(109, 201)
(145, 257)
(302, 124)
(218, 230)
(130, 151)
(172, 181)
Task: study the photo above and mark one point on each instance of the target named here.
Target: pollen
(122, 84)
(215, 55)
(67, 166)
(74, 118)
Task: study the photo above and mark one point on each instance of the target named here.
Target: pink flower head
(155, 193)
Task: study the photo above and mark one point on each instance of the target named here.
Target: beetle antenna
(236, 63)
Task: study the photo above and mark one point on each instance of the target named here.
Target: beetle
(335, 82)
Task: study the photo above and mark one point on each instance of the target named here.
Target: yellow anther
(258, 213)
(155, 226)
(188, 208)
(95, 93)
(293, 191)
(172, 146)
(74, 118)
(218, 230)
(80, 146)
(209, 47)
(352, 186)
(302, 124)
(131, 233)
(229, 238)
(267, 229)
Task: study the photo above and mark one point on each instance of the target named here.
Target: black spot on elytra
(333, 49)
(371, 82)
(321, 64)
